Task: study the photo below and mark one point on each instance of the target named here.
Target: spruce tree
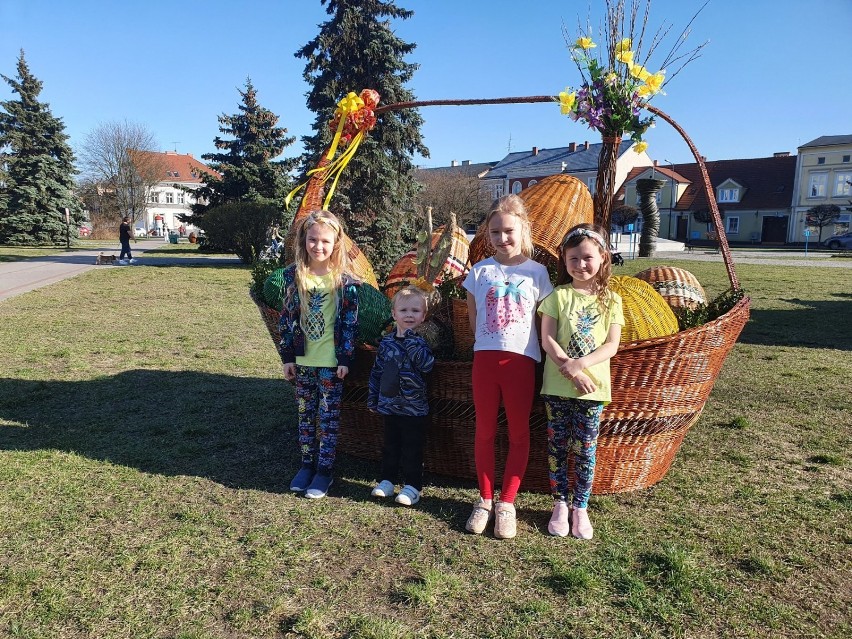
(246, 162)
(357, 49)
(38, 168)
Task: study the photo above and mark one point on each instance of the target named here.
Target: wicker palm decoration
(455, 263)
(555, 204)
(646, 313)
(679, 287)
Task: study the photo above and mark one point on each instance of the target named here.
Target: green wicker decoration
(273, 293)
(646, 313)
(374, 314)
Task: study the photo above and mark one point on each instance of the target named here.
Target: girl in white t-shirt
(502, 294)
(580, 331)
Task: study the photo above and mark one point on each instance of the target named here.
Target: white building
(167, 199)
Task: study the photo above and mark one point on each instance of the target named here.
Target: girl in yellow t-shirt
(580, 327)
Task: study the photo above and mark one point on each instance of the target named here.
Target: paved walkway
(27, 275)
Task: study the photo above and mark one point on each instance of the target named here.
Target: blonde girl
(319, 321)
(580, 327)
(502, 294)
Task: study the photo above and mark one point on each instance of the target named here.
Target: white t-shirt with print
(506, 299)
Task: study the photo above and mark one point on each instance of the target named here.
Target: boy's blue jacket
(345, 323)
(411, 357)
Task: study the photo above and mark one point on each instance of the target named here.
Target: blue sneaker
(302, 480)
(319, 486)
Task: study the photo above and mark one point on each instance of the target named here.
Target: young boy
(398, 391)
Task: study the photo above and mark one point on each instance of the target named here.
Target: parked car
(843, 240)
(140, 232)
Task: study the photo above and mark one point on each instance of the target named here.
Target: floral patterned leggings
(318, 393)
(572, 427)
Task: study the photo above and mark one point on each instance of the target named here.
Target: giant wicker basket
(660, 385)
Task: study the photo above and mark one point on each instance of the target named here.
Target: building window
(732, 225)
(592, 181)
(497, 190)
(175, 173)
(531, 183)
(154, 197)
(843, 185)
(820, 160)
(516, 187)
(170, 198)
(181, 198)
(845, 159)
(729, 195)
(818, 184)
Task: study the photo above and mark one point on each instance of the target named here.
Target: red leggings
(512, 376)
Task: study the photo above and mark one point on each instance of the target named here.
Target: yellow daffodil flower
(639, 72)
(655, 81)
(640, 146)
(644, 91)
(585, 43)
(625, 56)
(624, 45)
(566, 101)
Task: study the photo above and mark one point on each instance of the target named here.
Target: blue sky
(774, 75)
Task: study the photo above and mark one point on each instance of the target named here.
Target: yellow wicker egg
(679, 287)
(646, 313)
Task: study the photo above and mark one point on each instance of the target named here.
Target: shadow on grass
(237, 431)
(814, 324)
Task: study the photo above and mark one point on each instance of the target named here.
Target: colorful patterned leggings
(572, 427)
(318, 393)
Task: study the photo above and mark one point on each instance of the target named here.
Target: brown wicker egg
(646, 313)
(679, 287)
(555, 204)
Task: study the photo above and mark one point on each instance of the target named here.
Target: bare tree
(822, 215)
(121, 177)
(448, 191)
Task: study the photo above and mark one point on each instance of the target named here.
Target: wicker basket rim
(722, 319)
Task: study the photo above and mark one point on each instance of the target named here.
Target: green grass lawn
(147, 440)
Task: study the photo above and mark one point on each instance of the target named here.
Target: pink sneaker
(559, 525)
(581, 527)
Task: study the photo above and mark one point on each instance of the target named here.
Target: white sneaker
(133, 261)
(122, 262)
(383, 489)
(408, 496)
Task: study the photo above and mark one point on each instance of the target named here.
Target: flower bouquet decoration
(616, 86)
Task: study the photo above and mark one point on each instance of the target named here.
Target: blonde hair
(338, 262)
(408, 291)
(513, 205)
(573, 238)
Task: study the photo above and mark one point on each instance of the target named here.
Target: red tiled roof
(767, 182)
(173, 166)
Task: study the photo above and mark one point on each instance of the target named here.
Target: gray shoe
(479, 518)
(505, 522)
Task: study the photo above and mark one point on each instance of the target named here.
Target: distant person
(124, 238)
(398, 391)
(319, 321)
(182, 230)
(276, 240)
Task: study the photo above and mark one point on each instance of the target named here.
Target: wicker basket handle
(708, 187)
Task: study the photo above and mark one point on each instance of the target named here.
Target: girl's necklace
(505, 273)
